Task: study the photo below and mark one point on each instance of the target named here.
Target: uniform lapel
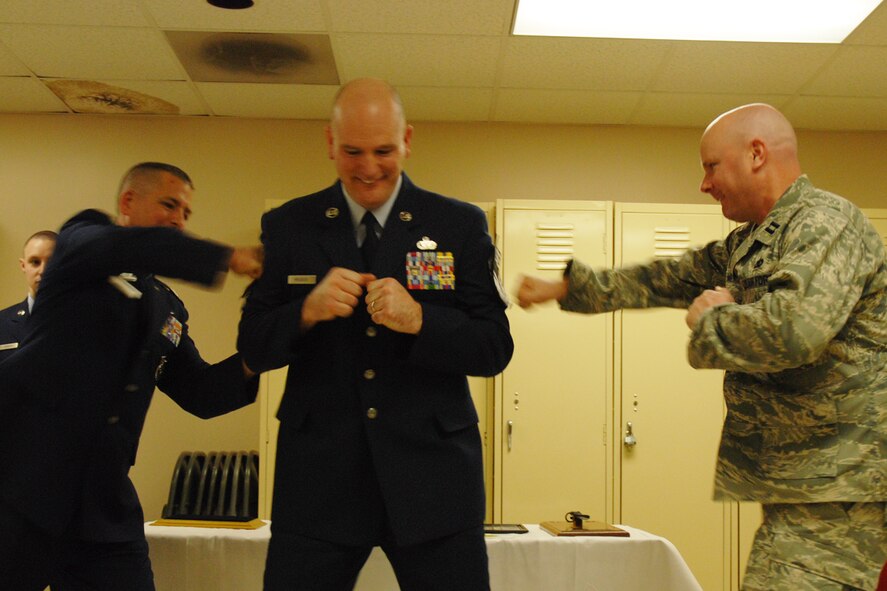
(336, 230)
(399, 235)
(22, 313)
(151, 309)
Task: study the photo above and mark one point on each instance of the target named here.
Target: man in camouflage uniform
(793, 305)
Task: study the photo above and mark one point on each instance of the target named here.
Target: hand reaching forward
(533, 290)
(247, 260)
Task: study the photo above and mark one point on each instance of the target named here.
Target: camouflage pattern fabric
(804, 346)
(818, 547)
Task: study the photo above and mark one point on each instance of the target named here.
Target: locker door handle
(510, 429)
(629, 440)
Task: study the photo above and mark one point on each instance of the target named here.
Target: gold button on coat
(372, 413)
(369, 374)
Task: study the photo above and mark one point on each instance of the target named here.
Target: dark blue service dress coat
(74, 397)
(12, 328)
(378, 431)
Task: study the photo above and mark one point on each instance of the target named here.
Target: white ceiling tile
(282, 101)
(873, 30)
(838, 113)
(418, 60)
(588, 64)
(564, 106)
(692, 110)
(454, 17)
(28, 95)
(446, 104)
(855, 71)
(263, 16)
(114, 13)
(93, 52)
(181, 94)
(11, 65)
(707, 67)
(453, 61)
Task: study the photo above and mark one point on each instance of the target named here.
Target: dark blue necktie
(371, 239)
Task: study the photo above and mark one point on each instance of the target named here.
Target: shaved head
(366, 94)
(744, 124)
(750, 157)
(368, 139)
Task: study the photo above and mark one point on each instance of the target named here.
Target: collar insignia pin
(332, 213)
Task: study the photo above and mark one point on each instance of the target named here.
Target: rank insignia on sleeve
(172, 330)
(430, 270)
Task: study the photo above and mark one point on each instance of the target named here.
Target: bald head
(757, 121)
(367, 99)
(368, 139)
(750, 158)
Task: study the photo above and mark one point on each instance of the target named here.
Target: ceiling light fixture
(232, 4)
(785, 21)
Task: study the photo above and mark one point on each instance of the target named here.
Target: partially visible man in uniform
(37, 250)
(793, 305)
(378, 442)
(103, 334)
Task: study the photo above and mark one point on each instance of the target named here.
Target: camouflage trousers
(818, 547)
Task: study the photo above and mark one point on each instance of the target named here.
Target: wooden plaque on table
(589, 528)
(232, 524)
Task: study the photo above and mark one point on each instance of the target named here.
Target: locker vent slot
(555, 245)
(670, 241)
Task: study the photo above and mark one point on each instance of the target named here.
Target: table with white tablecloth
(211, 559)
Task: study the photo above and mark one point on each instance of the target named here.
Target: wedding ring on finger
(373, 307)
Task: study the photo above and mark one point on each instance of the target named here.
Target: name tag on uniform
(430, 270)
(301, 279)
(8, 346)
(172, 330)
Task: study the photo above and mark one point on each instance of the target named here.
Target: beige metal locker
(270, 393)
(554, 399)
(674, 413)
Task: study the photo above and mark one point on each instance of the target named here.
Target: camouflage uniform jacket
(804, 346)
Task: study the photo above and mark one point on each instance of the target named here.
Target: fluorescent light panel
(787, 21)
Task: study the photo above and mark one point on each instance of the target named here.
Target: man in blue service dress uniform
(74, 397)
(37, 250)
(378, 441)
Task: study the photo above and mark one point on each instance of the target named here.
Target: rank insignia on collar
(426, 244)
(405, 216)
(332, 213)
(21, 312)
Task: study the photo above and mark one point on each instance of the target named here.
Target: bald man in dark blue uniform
(378, 441)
